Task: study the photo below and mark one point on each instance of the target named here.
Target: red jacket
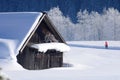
(106, 43)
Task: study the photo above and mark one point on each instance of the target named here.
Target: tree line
(89, 26)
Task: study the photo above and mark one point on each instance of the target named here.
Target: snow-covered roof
(62, 47)
(17, 26)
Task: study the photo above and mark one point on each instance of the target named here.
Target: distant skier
(106, 44)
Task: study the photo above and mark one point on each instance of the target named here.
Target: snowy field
(87, 60)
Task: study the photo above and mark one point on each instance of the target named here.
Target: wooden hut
(26, 28)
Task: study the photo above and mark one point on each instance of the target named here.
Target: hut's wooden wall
(26, 58)
(32, 59)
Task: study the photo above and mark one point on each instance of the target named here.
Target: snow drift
(8, 59)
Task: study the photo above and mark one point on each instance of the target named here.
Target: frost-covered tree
(111, 25)
(97, 26)
(64, 25)
(87, 22)
(83, 22)
(89, 26)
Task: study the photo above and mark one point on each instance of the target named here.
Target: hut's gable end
(38, 35)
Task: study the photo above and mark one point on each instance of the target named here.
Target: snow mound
(10, 65)
(7, 48)
(8, 59)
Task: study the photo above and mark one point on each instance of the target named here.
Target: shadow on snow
(96, 47)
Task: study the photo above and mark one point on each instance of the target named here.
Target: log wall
(32, 59)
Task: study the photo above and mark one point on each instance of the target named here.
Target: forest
(89, 26)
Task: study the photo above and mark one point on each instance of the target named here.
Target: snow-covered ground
(87, 60)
